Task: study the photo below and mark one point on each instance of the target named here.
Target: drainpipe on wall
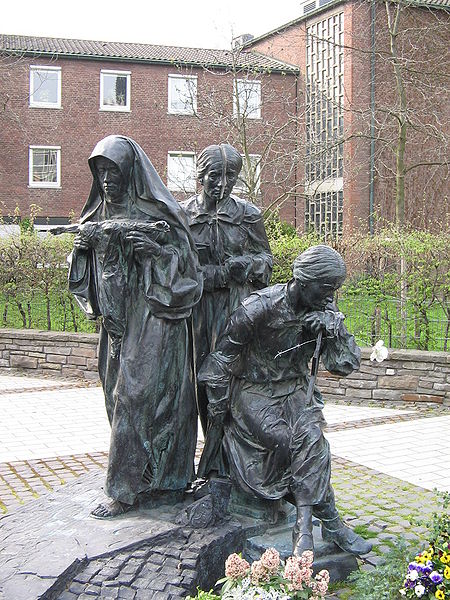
(372, 117)
(296, 150)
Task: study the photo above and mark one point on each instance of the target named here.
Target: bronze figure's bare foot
(108, 510)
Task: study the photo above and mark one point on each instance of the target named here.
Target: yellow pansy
(447, 572)
(445, 558)
(440, 595)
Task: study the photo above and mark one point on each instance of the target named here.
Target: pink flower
(292, 568)
(306, 574)
(296, 573)
(236, 567)
(271, 560)
(307, 558)
(323, 575)
(259, 573)
(322, 579)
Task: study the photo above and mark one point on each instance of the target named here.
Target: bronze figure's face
(218, 183)
(315, 295)
(111, 179)
(318, 294)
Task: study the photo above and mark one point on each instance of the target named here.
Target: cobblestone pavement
(379, 503)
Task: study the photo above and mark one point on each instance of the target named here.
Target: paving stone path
(378, 504)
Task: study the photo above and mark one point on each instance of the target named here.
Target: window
(182, 94)
(324, 126)
(45, 166)
(181, 172)
(115, 90)
(247, 102)
(45, 87)
(248, 182)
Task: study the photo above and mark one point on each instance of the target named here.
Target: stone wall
(67, 354)
(406, 376)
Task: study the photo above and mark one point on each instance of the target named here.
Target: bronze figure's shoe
(346, 539)
(110, 509)
(302, 537)
(301, 541)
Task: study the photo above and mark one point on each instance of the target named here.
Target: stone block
(357, 375)
(56, 358)
(422, 398)
(444, 387)
(72, 372)
(23, 362)
(51, 366)
(386, 394)
(23, 348)
(327, 375)
(379, 369)
(58, 350)
(36, 354)
(331, 390)
(88, 352)
(424, 385)
(76, 360)
(405, 382)
(359, 393)
(421, 366)
(357, 383)
(92, 364)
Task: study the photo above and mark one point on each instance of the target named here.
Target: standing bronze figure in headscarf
(233, 250)
(135, 264)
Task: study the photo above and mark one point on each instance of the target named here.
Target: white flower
(402, 592)
(379, 352)
(413, 575)
(419, 590)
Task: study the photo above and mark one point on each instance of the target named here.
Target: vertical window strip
(324, 126)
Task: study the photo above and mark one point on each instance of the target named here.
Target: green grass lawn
(64, 316)
(368, 321)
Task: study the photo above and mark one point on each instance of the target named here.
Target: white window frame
(109, 107)
(176, 111)
(44, 184)
(240, 185)
(171, 184)
(39, 104)
(242, 110)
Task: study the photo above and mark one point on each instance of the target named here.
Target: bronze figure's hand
(238, 268)
(143, 245)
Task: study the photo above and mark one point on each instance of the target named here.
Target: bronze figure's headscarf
(217, 152)
(319, 262)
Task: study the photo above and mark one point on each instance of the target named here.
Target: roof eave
(163, 62)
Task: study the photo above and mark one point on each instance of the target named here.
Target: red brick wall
(79, 125)
(424, 41)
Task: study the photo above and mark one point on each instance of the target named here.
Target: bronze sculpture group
(190, 328)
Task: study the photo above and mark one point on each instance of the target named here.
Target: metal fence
(398, 326)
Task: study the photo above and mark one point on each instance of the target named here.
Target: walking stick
(314, 370)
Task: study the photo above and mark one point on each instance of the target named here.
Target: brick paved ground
(375, 502)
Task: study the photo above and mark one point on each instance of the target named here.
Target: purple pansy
(436, 577)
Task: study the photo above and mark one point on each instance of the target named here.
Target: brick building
(60, 96)
(374, 87)
(332, 100)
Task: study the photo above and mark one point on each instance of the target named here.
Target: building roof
(313, 7)
(133, 52)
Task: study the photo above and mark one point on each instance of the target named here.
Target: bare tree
(257, 111)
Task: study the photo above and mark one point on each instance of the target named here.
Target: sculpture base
(52, 549)
(326, 554)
